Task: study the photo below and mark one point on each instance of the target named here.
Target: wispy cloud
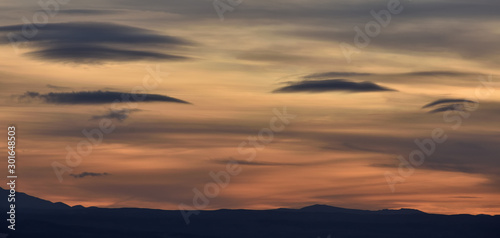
(252, 163)
(334, 74)
(119, 115)
(438, 74)
(57, 87)
(88, 174)
(87, 12)
(269, 163)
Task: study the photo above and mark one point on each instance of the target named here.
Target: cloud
(451, 107)
(435, 77)
(87, 12)
(268, 163)
(95, 97)
(96, 32)
(448, 38)
(334, 75)
(317, 86)
(464, 151)
(120, 115)
(466, 197)
(438, 74)
(57, 87)
(97, 54)
(95, 42)
(448, 100)
(272, 55)
(88, 174)
(252, 163)
(444, 105)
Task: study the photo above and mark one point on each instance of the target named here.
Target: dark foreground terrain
(40, 218)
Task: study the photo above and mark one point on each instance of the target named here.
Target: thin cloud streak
(119, 115)
(88, 174)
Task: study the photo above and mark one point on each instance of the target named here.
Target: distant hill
(330, 209)
(43, 219)
(27, 202)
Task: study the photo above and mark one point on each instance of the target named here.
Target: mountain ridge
(32, 202)
(44, 219)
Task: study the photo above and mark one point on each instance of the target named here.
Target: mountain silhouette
(36, 217)
(27, 202)
(330, 209)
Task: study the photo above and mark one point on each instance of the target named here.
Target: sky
(359, 81)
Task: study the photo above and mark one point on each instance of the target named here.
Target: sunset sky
(222, 81)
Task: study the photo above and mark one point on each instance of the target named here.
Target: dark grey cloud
(119, 115)
(88, 174)
(444, 105)
(96, 33)
(97, 54)
(448, 100)
(317, 86)
(95, 42)
(451, 107)
(94, 97)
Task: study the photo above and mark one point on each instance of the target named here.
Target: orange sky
(337, 149)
